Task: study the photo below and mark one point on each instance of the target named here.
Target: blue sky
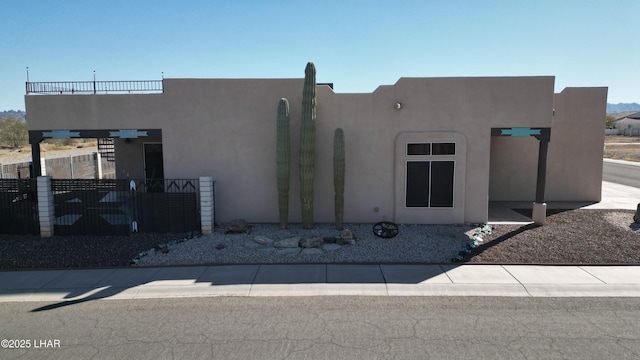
(357, 45)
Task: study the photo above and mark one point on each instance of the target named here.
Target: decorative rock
(287, 243)
(252, 244)
(331, 247)
(311, 251)
(636, 216)
(312, 242)
(263, 240)
(237, 226)
(341, 241)
(346, 234)
(329, 240)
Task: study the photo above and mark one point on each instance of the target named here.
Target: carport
(543, 135)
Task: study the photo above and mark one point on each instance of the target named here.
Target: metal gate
(119, 207)
(18, 207)
(166, 206)
(91, 207)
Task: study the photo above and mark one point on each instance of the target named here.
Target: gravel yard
(570, 237)
(414, 244)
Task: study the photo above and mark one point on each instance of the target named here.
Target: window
(419, 149)
(430, 170)
(429, 183)
(443, 149)
(441, 184)
(431, 149)
(429, 179)
(418, 178)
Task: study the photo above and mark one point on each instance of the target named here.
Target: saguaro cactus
(338, 175)
(282, 161)
(307, 145)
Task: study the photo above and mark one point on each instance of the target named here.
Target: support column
(207, 204)
(43, 166)
(540, 207)
(35, 160)
(46, 209)
(98, 158)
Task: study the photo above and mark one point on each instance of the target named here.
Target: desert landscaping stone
(292, 242)
(346, 234)
(312, 242)
(253, 245)
(263, 240)
(237, 226)
(289, 251)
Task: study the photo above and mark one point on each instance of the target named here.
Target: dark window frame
(412, 189)
(430, 149)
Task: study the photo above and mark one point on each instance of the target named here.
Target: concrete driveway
(614, 196)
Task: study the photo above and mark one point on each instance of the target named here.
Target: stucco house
(423, 150)
(629, 125)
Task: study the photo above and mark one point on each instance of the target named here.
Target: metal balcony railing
(96, 87)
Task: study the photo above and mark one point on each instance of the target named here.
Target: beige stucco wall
(575, 174)
(225, 128)
(132, 154)
(574, 167)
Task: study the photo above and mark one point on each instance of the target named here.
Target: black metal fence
(95, 87)
(117, 207)
(18, 207)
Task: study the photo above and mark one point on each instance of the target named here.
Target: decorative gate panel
(167, 206)
(92, 207)
(18, 207)
(119, 207)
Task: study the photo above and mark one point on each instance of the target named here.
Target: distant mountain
(622, 107)
(18, 115)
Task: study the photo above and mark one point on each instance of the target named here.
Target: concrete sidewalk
(73, 286)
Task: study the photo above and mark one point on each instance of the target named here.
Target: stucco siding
(575, 174)
(574, 166)
(225, 128)
(514, 164)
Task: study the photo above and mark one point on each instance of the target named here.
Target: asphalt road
(327, 328)
(621, 173)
